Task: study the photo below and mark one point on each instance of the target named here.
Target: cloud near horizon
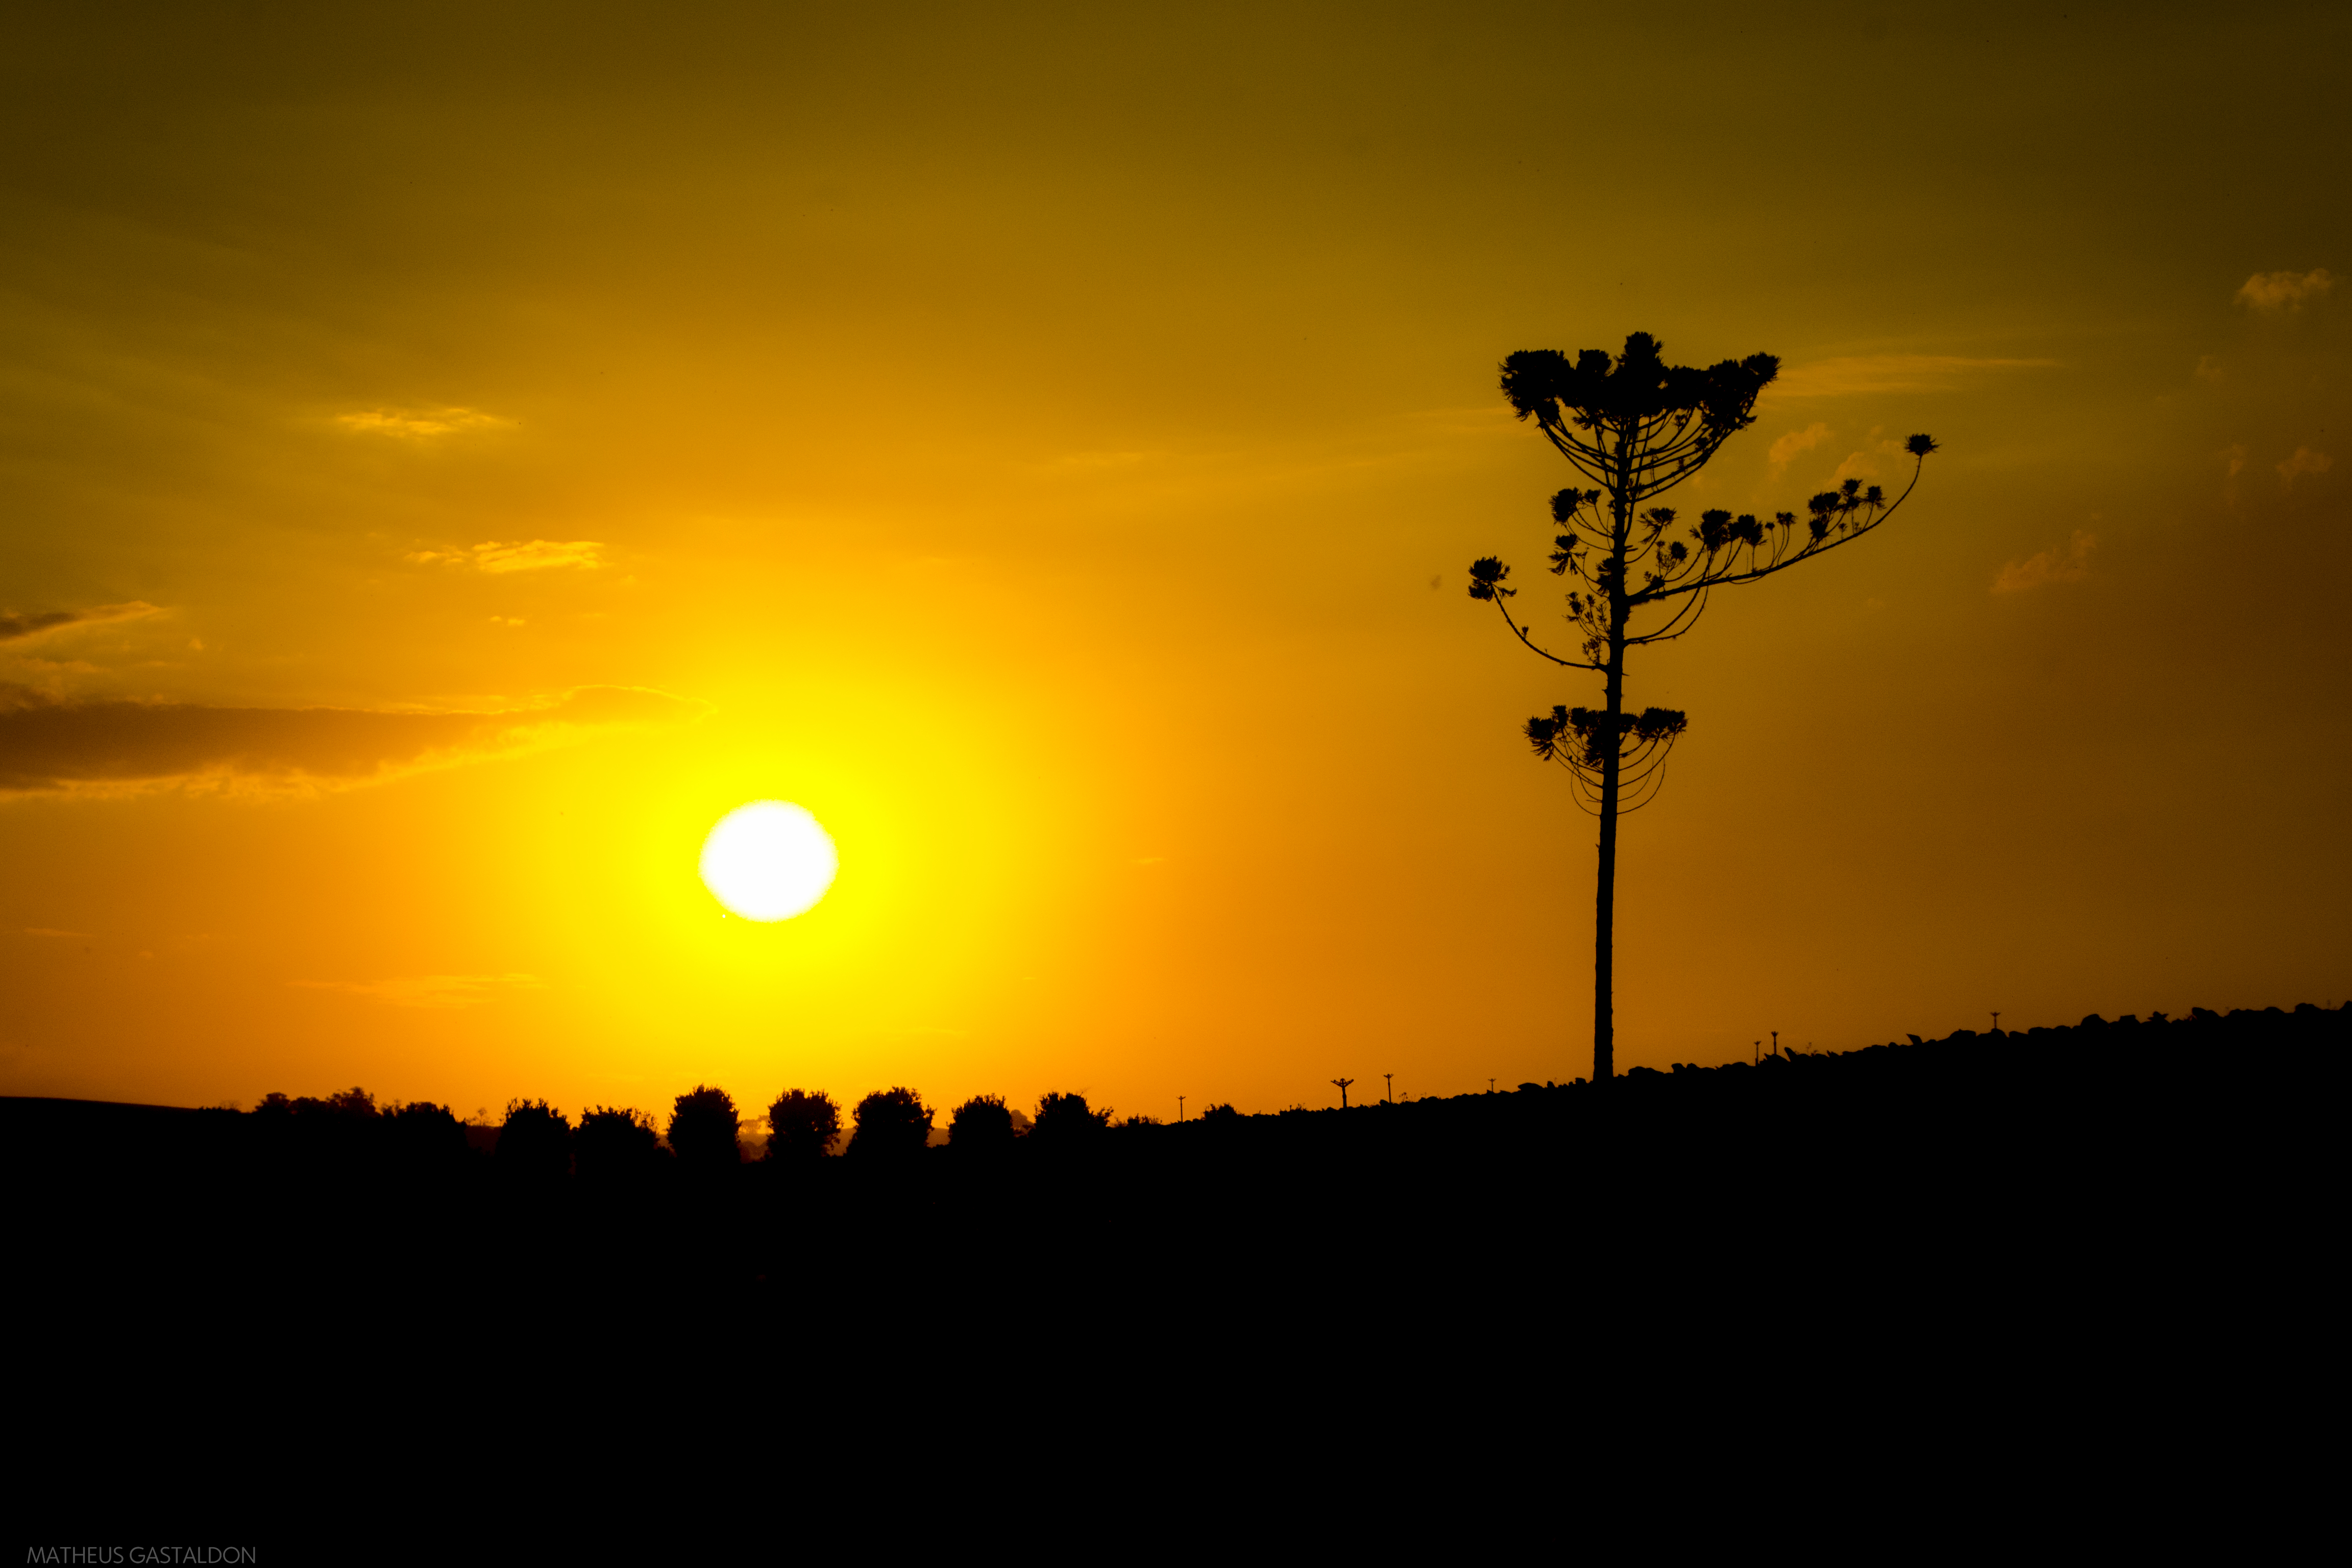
(415, 425)
(534, 555)
(19, 629)
(2071, 564)
(437, 991)
(114, 748)
(1796, 441)
(1890, 373)
(2283, 293)
(2303, 461)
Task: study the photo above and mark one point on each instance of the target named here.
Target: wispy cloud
(1095, 462)
(531, 555)
(1865, 464)
(2071, 564)
(16, 629)
(2283, 293)
(430, 990)
(420, 425)
(119, 748)
(1891, 372)
(1796, 441)
(2303, 461)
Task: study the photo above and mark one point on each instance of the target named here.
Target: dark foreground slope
(1993, 1174)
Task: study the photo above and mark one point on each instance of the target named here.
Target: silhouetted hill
(1953, 1170)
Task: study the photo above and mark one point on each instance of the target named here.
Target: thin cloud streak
(531, 555)
(1891, 372)
(20, 628)
(122, 748)
(432, 991)
(409, 425)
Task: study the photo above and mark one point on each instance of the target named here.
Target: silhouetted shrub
(1067, 1121)
(1220, 1114)
(424, 1134)
(615, 1146)
(702, 1130)
(891, 1123)
(345, 1105)
(343, 1132)
(534, 1141)
(802, 1125)
(980, 1125)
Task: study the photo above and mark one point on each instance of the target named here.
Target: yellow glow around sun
(769, 861)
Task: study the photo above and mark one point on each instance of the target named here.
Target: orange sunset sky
(450, 455)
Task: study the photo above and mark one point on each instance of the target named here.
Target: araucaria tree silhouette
(1636, 428)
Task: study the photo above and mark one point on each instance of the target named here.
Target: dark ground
(1897, 1297)
(2001, 1162)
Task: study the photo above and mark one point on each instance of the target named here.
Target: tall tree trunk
(1604, 898)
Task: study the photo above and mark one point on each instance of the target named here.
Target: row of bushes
(704, 1131)
(1948, 1079)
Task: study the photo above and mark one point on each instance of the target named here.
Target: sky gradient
(449, 458)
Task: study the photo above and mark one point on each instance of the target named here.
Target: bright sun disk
(769, 861)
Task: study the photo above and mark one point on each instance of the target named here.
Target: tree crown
(984, 1121)
(703, 1125)
(1637, 426)
(802, 1124)
(891, 1121)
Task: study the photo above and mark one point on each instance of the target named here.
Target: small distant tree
(344, 1105)
(982, 1124)
(802, 1125)
(1065, 1120)
(355, 1103)
(1637, 427)
(534, 1141)
(425, 1134)
(615, 1146)
(703, 1130)
(891, 1123)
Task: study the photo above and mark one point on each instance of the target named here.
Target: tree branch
(1813, 548)
(1570, 663)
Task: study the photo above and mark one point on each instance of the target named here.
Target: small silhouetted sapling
(703, 1131)
(802, 1125)
(890, 1124)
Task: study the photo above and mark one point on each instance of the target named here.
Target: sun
(769, 861)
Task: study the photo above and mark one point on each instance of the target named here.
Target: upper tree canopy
(1636, 425)
(1667, 419)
